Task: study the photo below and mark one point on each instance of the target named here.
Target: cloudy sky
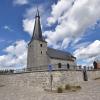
(68, 25)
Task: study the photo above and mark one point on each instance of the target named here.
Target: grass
(68, 87)
(78, 87)
(59, 89)
(72, 88)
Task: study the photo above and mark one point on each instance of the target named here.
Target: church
(40, 56)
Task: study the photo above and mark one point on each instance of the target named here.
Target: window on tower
(68, 66)
(40, 45)
(59, 65)
(41, 52)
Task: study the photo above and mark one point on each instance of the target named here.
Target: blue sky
(68, 25)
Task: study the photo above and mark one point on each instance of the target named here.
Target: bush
(78, 87)
(67, 87)
(73, 90)
(59, 89)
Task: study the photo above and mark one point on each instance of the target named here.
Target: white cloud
(16, 56)
(65, 43)
(58, 9)
(20, 2)
(73, 20)
(6, 27)
(29, 18)
(88, 53)
(78, 45)
(28, 25)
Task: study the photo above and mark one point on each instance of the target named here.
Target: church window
(40, 45)
(68, 66)
(41, 52)
(59, 65)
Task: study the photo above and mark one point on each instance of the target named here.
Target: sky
(67, 25)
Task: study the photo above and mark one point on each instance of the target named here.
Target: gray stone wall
(64, 63)
(42, 79)
(93, 74)
(36, 54)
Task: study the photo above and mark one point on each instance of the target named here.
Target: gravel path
(90, 91)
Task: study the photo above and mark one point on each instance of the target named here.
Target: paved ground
(90, 91)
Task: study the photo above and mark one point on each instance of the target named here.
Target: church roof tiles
(58, 54)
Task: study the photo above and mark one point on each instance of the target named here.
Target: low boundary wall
(42, 79)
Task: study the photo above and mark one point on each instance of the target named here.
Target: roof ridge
(59, 50)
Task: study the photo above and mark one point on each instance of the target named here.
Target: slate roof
(58, 54)
(37, 32)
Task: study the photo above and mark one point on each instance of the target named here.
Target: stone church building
(40, 56)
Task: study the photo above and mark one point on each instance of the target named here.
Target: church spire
(37, 13)
(37, 32)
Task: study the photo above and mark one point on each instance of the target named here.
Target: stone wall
(64, 63)
(93, 74)
(37, 54)
(42, 79)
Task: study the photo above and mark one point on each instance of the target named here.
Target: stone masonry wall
(36, 54)
(42, 79)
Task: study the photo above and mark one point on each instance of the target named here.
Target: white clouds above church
(20, 2)
(70, 19)
(16, 55)
(74, 17)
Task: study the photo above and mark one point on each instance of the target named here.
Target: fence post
(85, 77)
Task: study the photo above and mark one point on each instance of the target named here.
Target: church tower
(37, 48)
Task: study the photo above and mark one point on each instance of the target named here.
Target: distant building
(96, 64)
(40, 56)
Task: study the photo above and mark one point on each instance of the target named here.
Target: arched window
(40, 45)
(59, 65)
(68, 66)
(41, 52)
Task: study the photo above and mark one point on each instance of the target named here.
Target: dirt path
(90, 91)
